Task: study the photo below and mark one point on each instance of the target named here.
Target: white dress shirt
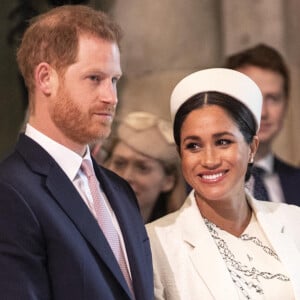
(71, 167)
(270, 179)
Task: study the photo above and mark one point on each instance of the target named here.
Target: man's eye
(115, 80)
(275, 98)
(95, 78)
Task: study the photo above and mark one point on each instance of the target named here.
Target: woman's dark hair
(238, 112)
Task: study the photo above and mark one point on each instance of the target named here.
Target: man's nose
(108, 92)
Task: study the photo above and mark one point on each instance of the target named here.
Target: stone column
(164, 41)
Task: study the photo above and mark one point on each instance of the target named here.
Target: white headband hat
(225, 81)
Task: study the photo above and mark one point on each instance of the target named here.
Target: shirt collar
(267, 163)
(67, 159)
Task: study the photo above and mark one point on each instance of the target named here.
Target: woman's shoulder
(276, 206)
(166, 221)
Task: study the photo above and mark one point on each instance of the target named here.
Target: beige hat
(226, 81)
(149, 135)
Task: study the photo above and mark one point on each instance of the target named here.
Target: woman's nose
(128, 174)
(210, 158)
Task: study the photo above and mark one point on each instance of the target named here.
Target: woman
(144, 154)
(222, 243)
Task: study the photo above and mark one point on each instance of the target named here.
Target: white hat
(226, 81)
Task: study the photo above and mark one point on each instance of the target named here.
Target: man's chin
(265, 137)
(102, 134)
(265, 141)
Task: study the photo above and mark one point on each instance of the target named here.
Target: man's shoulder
(12, 163)
(111, 175)
(281, 166)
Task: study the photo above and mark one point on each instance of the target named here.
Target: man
(57, 240)
(268, 69)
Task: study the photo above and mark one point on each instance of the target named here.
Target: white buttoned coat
(187, 263)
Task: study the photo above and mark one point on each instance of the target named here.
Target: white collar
(267, 163)
(67, 159)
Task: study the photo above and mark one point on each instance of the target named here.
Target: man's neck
(263, 151)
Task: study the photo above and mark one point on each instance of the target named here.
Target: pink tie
(104, 219)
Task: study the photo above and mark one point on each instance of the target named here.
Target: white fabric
(59, 152)
(252, 262)
(271, 179)
(225, 81)
(187, 262)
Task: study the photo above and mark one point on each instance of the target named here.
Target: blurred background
(163, 41)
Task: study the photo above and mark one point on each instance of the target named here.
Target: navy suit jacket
(290, 181)
(51, 247)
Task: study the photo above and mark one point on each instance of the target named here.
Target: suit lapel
(205, 257)
(273, 224)
(289, 177)
(285, 180)
(70, 201)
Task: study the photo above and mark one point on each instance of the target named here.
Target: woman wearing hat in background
(144, 153)
(222, 243)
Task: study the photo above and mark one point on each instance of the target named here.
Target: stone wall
(164, 41)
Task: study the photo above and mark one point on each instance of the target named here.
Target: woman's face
(214, 154)
(145, 175)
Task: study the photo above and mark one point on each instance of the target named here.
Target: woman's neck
(232, 216)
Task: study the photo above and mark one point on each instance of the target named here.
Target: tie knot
(87, 168)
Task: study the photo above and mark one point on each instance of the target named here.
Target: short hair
(53, 37)
(262, 56)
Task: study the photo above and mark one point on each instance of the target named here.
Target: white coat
(187, 263)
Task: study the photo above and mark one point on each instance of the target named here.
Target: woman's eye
(223, 142)
(143, 168)
(117, 164)
(192, 146)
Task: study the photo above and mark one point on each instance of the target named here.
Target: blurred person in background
(273, 179)
(144, 153)
(97, 151)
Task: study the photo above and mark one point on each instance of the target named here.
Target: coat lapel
(205, 257)
(272, 220)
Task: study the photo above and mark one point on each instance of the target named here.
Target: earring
(251, 159)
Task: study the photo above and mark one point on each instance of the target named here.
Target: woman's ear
(253, 148)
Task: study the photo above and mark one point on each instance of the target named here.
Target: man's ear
(45, 78)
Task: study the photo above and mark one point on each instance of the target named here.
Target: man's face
(86, 98)
(274, 101)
